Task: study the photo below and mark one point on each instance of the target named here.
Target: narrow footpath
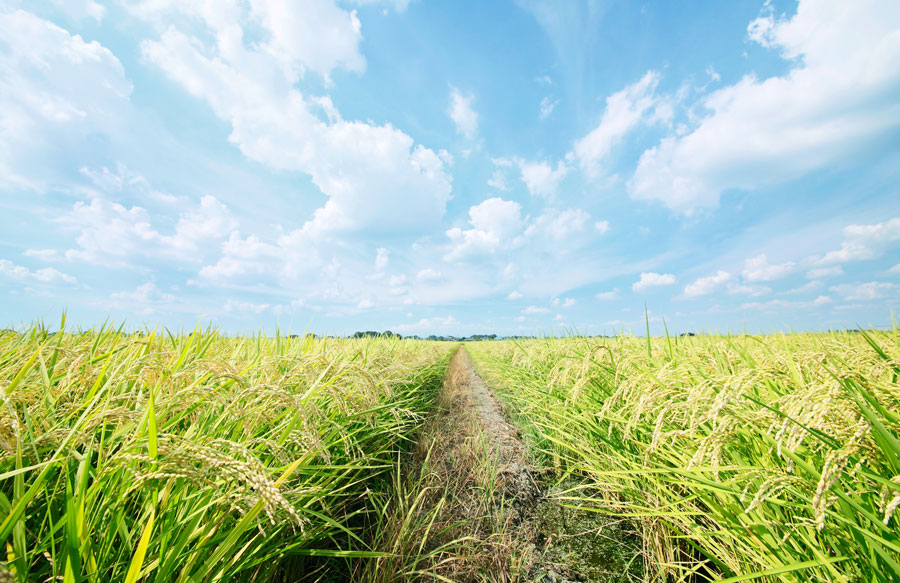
(486, 490)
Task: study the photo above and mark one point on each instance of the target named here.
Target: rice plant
(771, 458)
(200, 457)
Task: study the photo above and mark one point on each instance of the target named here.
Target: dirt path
(489, 489)
(470, 397)
(475, 511)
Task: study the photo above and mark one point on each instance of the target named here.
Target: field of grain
(744, 457)
(201, 457)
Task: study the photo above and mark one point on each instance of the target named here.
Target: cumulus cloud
(495, 222)
(558, 225)
(864, 242)
(367, 171)
(821, 272)
(540, 178)
(10, 270)
(651, 279)
(872, 290)
(145, 295)
(564, 302)
(428, 325)
(535, 310)
(624, 111)
(111, 234)
(759, 269)
(462, 114)
(839, 95)
(706, 285)
(514, 295)
(56, 91)
(735, 288)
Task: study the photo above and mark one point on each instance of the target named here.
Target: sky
(450, 167)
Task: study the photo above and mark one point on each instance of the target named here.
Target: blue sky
(450, 167)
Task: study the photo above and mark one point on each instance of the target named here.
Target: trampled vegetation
(768, 458)
(202, 457)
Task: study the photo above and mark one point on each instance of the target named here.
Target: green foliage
(769, 458)
(196, 457)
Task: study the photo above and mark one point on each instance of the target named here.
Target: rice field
(202, 457)
(199, 457)
(770, 458)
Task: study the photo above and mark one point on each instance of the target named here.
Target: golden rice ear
(738, 456)
(263, 458)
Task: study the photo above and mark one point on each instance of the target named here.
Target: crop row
(200, 457)
(740, 457)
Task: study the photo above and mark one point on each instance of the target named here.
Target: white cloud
(462, 114)
(864, 242)
(428, 325)
(44, 275)
(805, 288)
(514, 295)
(398, 5)
(548, 104)
(429, 275)
(544, 80)
(652, 279)
(608, 295)
(81, 9)
(540, 178)
(784, 304)
(895, 269)
(535, 310)
(248, 307)
(558, 225)
(624, 111)
(144, 295)
(839, 95)
(367, 171)
(382, 257)
(706, 285)
(495, 222)
(735, 288)
(872, 290)
(822, 272)
(564, 302)
(110, 233)
(602, 227)
(365, 304)
(498, 180)
(761, 30)
(46, 255)
(56, 91)
(759, 269)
